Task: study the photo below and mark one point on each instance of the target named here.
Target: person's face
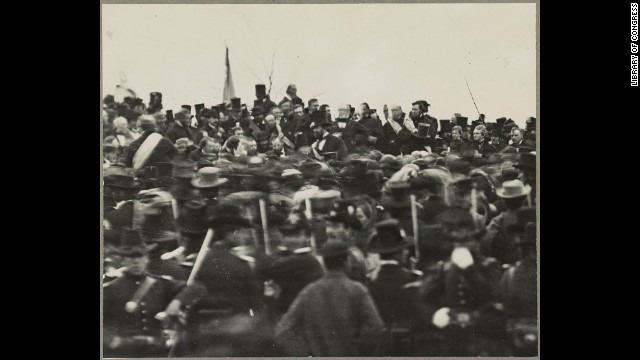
(455, 134)
(516, 136)
(211, 147)
(135, 265)
(286, 107)
(277, 145)
(258, 118)
(336, 231)
(314, 106)
(396, 114)
(344, 113)
(185, 121)
(277, 113)
(202, 121)
(238, 132)
(318, 131)
(328, 111)
(293, 90)
(297, 112)
(362, 217)
(477, 135)
(415, 111)
(214, 121)
(270, 120)
(181, 146)
(495, 139)
(121, 127)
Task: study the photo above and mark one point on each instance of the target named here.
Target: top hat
(215, 110)
(261, 90)
(398, 195)
(235, 104)
(192, 218)
(208, 177)
(462, 122)
(445, 126)
(513, 189)
(501, 120)
(333, 249)
(198, 107)
(526, 161)
(169, 115)
(319, 118)
(423, 130)
(387, 238)
(131, 244)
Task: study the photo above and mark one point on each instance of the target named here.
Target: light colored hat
(208, 177)
(512, 189)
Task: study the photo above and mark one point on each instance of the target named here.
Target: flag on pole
(229, 91)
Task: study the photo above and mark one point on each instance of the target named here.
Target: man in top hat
(395, 304)
(226, 278)
(292, 96)
(181, 128)
(262, 98)
(326, 143)
(293, 267)
(457, 299)
(333, 316)
(517, 290)
(149, 149)
(396, 133)
(131, 302)
(498, 242)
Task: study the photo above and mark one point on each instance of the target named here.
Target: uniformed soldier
(131, 302)
(458, 299)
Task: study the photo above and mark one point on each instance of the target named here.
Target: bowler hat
(192, 218)
(513, 189)
(333, 249)
(387, 238)
(208, 177)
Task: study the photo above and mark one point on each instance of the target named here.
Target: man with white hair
(124, 135)
(396, 133)
(149, 149)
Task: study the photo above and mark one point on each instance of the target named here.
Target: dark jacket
(292, 272)
(395, 307)
(141, 321)
(458, 145)
(352, 134)
(303, 133)
(163, 152)
(418, 144)
(288, 124)
(483, 147)
(177, 131)
(396, 142)
(518, 290)
(332, 144)
(334, 316)
(374, 128)
(225, 277)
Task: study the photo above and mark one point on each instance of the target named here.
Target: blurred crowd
(279, 230)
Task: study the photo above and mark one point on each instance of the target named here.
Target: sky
(338, 53)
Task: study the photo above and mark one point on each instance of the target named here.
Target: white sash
(141, 156)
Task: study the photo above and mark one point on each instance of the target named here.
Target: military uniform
(129, 306)
(476, 324)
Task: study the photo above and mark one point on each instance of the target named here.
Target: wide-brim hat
(208, 177)
(513, 189)
(387, 238)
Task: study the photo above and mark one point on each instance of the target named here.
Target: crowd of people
(279, 230)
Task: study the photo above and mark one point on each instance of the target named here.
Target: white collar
(389, 262)
(302, 250)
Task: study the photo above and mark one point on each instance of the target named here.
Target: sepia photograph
(331, 179)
